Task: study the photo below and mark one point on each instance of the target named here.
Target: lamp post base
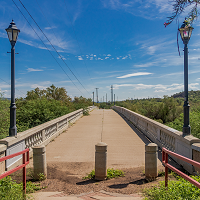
(12, 131)
(186, 131)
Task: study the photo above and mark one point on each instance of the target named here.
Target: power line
(50, 43)
(56, 37)
(77, 40)
(46, 46)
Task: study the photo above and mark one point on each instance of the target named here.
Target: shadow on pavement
(147, 140)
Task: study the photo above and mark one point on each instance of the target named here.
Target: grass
(180, 189)
(10, 190)
(111, 173)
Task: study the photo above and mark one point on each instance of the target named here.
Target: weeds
(41, 177)
(111, 173)
(180, 189)
(10, 190)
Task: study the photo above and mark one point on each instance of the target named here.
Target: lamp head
(12, 32)
(185, 31)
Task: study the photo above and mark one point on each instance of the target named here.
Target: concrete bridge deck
(126, 145)
(75, 148)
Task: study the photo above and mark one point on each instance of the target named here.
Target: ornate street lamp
(12, 32)
(186, 32)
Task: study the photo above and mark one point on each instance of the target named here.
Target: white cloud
(34, 70)
(62, 57)
(149, 64)
(106, 57)
(125, 57)
(142, 8)
(48, 28)
(135, 74)
(117, 58)
(159, 87)
(80, 58)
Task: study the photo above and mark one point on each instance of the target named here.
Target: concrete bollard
(39, 161)
(151, 156)
(101, 161)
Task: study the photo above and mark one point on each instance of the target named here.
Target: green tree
(4, 116)
(51, 92)
(56, 93)
(82, 102)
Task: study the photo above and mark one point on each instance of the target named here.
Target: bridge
(71, 141)
(73, 152)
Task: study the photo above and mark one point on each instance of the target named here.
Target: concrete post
(39, 161)
(151, 156)
(101, 161)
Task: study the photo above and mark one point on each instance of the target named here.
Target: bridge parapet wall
(164, 136)
(39, 135)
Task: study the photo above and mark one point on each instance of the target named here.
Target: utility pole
(93, 98)
(97, 93)
(106, 98)
(111, 94)
(103, 99)
(114, 99)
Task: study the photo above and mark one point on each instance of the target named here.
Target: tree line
(166, 110)
(38, 107)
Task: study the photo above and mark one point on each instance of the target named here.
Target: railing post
(43, 135)
(56, 127)
(166, 170)
(24, 173)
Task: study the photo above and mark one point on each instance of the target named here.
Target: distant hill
(192, 94)
(178, 95)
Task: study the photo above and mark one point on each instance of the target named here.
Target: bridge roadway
(75, 147)
(126, 145)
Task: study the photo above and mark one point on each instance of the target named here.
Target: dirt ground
(67, 177)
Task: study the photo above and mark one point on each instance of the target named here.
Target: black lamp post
(186, 32)
(12, 32)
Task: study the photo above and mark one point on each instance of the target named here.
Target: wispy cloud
(158, 88)
(135, 74)
(80, 58)
(62, 57)
(48, 28)
(149, 64)
(140, 8)
(34, 70)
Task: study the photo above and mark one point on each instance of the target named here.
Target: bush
(4, 117)
(10, 190)
(181, 189)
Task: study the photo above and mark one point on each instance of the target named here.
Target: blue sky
(102, 43)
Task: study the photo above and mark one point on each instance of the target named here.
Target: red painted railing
(165, 153)
(25, 162)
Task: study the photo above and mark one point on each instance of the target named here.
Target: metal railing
(25, 162)
(165, 153)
